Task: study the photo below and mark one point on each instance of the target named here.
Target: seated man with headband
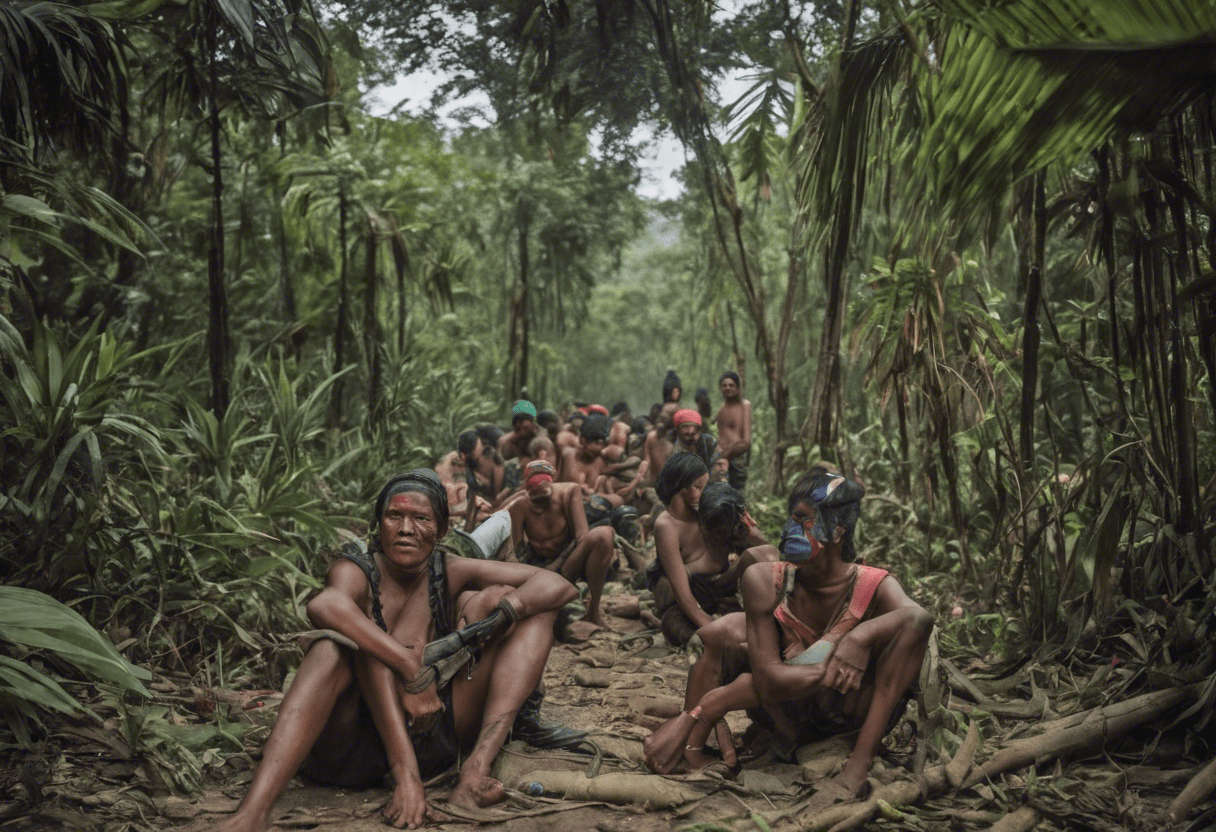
(825, 645)
(549, 529)
(692, 439)
(373, 697)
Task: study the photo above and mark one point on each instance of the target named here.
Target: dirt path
(619, 684)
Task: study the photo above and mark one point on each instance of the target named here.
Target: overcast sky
(666, 155)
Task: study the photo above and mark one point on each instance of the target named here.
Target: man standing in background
(734, 430)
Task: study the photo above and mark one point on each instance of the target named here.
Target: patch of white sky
(664, 154)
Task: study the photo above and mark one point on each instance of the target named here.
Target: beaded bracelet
(695, 713)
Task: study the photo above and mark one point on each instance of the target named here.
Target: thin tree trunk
(219, 349)
(1030, 325)
(372, 336)
(520, 385)
(336, 400)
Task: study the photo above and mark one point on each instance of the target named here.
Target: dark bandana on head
(837, 502)
(421, 481)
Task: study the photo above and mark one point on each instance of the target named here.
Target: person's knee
(716, 634)
(330, 660)
(479, 605)
(602, 536)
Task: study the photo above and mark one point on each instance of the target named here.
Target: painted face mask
(796, 547)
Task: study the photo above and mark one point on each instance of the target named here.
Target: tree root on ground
(1196, 791)
(1074, 733)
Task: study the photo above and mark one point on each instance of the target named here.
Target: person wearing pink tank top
(824, 646)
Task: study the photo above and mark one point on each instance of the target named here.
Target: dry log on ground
(640, 789)
(1095, 729)
(1020, 820)
(1196, 791)
(957, 768)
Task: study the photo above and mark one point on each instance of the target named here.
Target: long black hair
(679, 471)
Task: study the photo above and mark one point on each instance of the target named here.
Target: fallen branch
(641, 789)
(1020, 820)
(1083, 731)
(1095, 729)
(957, 768)
(1196, 791)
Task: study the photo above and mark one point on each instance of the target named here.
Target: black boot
(529, 728)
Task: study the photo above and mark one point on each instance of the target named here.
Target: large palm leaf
(62, 79)
(998, 91)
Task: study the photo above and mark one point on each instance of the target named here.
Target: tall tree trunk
(1031, 334)
(1028, 481)
(219, 348)
(337, 397)
(372, 337)
(519, 376)
(287, 288)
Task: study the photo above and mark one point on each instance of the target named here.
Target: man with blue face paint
(825, 645)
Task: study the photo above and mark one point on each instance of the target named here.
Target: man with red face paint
(825, 645)
(549, 529)
(363, 705)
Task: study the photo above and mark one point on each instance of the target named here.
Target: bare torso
(734, 427)
(658, 447)
(577, 468)
(697, 556)
(548, 525)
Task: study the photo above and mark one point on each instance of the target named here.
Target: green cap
(524, 408)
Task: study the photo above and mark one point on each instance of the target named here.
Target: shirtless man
(734, 429)
(680, 556)
(824, 645)
(691, 438)
(567, 437)
(584, 465)
(485, 474)
(451, 468)
(719, 529)
(659, 444)
(349, 717)
(619, 434)
(549, 423)
(549, 529)
(523, 430)
(541, 447)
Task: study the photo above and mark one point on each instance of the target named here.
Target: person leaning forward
(825, 645)
(549, 530)
(363, 703)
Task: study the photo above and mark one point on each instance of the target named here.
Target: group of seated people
(424, 658)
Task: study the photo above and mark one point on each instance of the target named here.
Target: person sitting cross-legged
(825, 645)
(364, 704)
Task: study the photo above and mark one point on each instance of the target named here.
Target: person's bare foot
(245, 822)
(664, 749)
(596, 618)
(406, 805)
(477, 792)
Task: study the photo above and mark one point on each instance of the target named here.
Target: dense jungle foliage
(963, 249)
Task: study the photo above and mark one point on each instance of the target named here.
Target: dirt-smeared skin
(477, 792)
